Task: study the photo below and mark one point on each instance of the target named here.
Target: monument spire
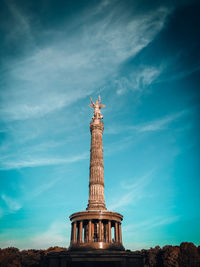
(92, 229)
(96, 182)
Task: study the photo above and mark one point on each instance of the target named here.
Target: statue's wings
(92, 103)
(101, 105)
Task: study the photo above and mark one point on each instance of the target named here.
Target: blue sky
(144, 59)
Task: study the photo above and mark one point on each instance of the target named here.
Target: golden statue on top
(97, 106)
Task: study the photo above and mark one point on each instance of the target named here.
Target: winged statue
(97, 108)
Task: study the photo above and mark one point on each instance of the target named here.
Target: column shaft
(116, 232)
(120, 233)
(89, 231)
(74, 232)
(109, 231)
(80, 236)
(100, 231)
(96, 184)
(106, 231)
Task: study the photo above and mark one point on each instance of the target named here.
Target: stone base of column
(93, 206)
(95, 246)
(93, 258)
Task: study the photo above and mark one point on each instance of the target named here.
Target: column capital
(97, 126)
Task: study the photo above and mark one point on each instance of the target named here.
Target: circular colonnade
(96, 230)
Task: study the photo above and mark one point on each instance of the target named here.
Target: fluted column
(96, 182)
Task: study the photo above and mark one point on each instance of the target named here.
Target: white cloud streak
(152, 126)
(35, 162)
(136, 191)
(150, 223)
(12, 204)
(42, 188)
(139, 80)
(160, 124)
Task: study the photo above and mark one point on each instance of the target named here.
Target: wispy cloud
(151, 126)
(144, 232)
(47, 77)
(35, 162)
(12, 204)
(44, 187)
(140, 79)
(150, 223)
(55, 235)
(64, 70)
(160, 124)
(22, 24)
(135, 190)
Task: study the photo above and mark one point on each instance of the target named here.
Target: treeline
(13, 257)
(185, 255)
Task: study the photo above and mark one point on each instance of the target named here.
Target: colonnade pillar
(71, 232)
(116, 232)
(74, 232)
(109, 231)
(80, 232)
(89, 230)
(120, 233)
(100, 231)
